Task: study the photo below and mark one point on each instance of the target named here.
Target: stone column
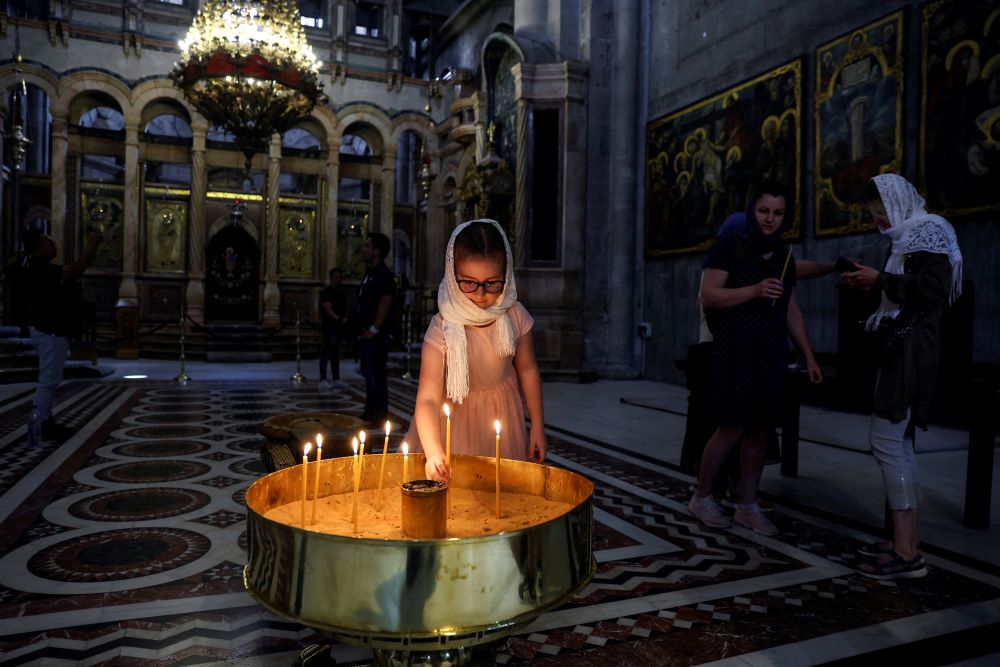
(330, 232)
(272, 295)
(127, 308)
(387, 223)
(521, 175)
(57, 202)
(195, 296)
(128, 292)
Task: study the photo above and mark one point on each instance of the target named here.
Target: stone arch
(223, 221)
(36, 76)
(325, 118)
(150, 94)
(416, 122)
(368, 115)
(82, 83)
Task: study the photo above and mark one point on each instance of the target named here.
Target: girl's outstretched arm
(427, 411)
(531, 387)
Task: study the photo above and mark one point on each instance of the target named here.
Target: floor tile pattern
(125, 546)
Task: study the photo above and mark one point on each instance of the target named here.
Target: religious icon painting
(859, 121)
(960, 106)
(295, 257)
(165, 233)
(702, 160)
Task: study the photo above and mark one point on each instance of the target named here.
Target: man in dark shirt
(374, 310)
(50, 296)
(332, 313)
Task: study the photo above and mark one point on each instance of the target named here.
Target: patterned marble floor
(125, 546)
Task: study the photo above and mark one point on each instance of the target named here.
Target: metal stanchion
(407, 339)
(298, 378)
(182, 377)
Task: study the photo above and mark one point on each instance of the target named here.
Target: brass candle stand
(420, 602)
(298, 378)
(182, 377)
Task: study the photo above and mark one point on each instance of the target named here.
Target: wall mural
(295, 246)
(859, 111)
(960, 109)
(166, 230)
(702, 160)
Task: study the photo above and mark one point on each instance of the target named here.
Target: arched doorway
(232, 283)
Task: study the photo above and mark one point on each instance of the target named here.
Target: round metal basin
(420, 594)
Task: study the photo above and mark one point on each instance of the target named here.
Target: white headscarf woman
(457, 312)
(912, 229)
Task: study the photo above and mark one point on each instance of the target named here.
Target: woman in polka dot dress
(748, 293)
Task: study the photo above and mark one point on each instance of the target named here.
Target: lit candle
(319, 467)
(406, 462)
(305, 476)
(357, 477)
(496, 425)
(447, 456)
(381, 470)
(447, 437)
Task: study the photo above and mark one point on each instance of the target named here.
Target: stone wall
(700, 47)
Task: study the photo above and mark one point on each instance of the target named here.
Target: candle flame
(354, 443)
(307, 449)
(496, 425)
(319, 441)
(387, 428)
(447, 410)
(406, 448)
(361, 436)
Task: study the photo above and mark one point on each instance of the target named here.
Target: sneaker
(752, 516)
(708, 512)
(337, 384)
(53, 431)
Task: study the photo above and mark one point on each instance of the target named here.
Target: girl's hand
(769, 288)
(435, 468)
(537, 444)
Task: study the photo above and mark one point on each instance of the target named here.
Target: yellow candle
(305, 477)
(447, 437)
(357, 478)
(381, 470)
(406, 462)
(319, 467)
(447, 455)
(496, 425)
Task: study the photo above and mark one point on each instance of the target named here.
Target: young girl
(479, 357)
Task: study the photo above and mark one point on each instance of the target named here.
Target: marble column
(330, 213)
(128, 291)
(272, 295)
(387, 223)
(195, 294)
(57, 201)
(521, 177)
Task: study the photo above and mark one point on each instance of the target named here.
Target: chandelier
(247, 67)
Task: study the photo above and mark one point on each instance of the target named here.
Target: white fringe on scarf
(912, 229)
(458, 312)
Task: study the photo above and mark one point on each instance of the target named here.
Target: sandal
(896, 567)
(874, 549)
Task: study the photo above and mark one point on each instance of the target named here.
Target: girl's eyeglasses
(489, 286)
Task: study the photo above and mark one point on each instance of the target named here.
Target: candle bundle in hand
(305, 477)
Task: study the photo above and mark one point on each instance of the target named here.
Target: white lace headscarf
(458, 311)
(912, 229)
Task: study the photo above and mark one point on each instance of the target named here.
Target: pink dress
(494, 393)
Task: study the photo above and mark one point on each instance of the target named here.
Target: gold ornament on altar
(247, 67)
